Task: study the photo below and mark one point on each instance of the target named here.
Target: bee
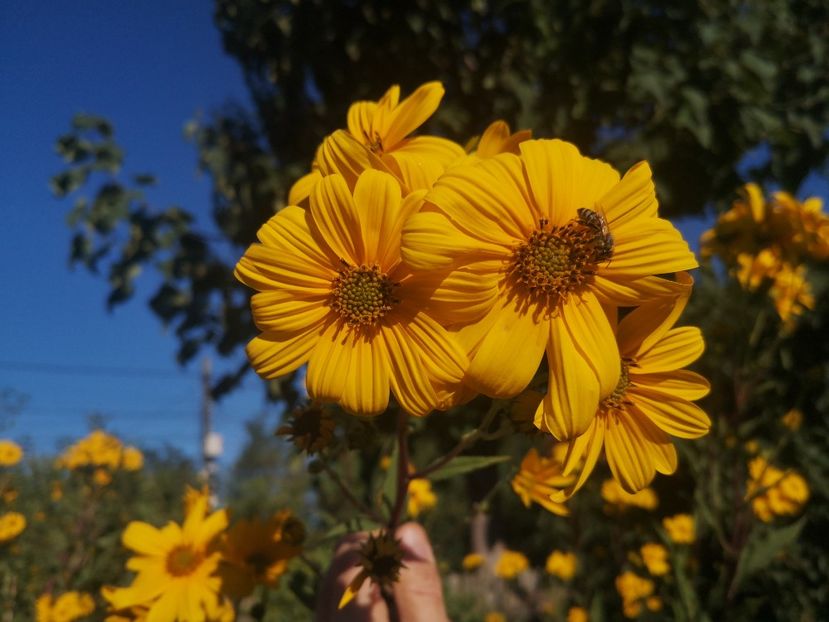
(598, 225)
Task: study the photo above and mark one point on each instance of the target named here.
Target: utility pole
(211, 442)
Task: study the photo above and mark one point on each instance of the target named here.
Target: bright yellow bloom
(495, 616)
(577, 614)
(334, 293)
(681, 528)
(132, 459)
(633, 589)
(98, 449)
(257, 552)
(10, 453)
(538, 478)
(497, 138)
(515, 220)
(176, 568)
(473, 561)
(615, 495)
(651, 402)
(562, 565)
(655, 557)
(792, 419)
(791, 293)
(421, 497)
(510, 564)
(12, 525)
(65, 608)
(773, 492)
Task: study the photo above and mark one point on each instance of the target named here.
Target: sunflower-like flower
(655, 558)
(12, 525)
(334, 293)
(562, 564)
(681, 528)
(541, 476)
(510, 564)
(651, 402)
(10, 453)
(774, 492)
(381, 560)
(559, 235)
(176, 568)
(310, 429)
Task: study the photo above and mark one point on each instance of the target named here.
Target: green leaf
(466, 464)
(763, 547)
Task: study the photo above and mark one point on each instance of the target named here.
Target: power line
(94, 370)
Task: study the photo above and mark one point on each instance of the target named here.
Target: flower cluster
(635, 592)
(10, 453)
(562, 565)
(405, 265)
(681, 528)
(510, 564)
(774, 492)
(766, 243)
(540, 477)
(101, 450)
(194, 571)
(67, 607)
(618, 498)
(12, 525)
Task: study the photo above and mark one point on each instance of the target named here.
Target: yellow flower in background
(633, 589)
(791, 293)
(510, 564)
(10, 494)
(681, 528)
(653, 603)
(12, 525)
(257, 552)
(539, 477)
(102, 477)
(334, 293)
(100, 449)
(655, 558)
(615, 495)
(562, 565)
(421, 497)
(773, 492)
(495, 616)
(176, 568)
(651, 402)
(10, 453)
(516, 220)
(577, 614)
(56, 492)
(473, 561)
(498, 138)
(64, 608)
(132, 459)
(792, 419)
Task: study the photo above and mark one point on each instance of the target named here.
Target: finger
(418, 593)
(368, 604)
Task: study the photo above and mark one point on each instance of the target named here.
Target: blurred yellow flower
(615, 495)
(653, 603)
(510, 564)
(773, 492)
(562, 565)
(633, 589)
(655, 557)
(176, 567)
(792, 419)
(56, 491)
(98, 449)
(577, 614)
(652, 402)
(495, 616)
(334, 293)
(12, 525)
(538, 478)
(102, 477)
(681, 528)
(132, 459)
(473, 561)
(421, 497)
(791, 293)
(65, 608)
(10, 453)
(516, 221)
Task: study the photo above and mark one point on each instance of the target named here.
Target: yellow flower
(615, 495)
(577, 614)
(792, 419)
(655, 557)
(10, 453)
(516, 221)
(378, 138)
(537, 479)
(562, 565)
(653, 603)
(12, 525)
(334, 293)
(257, 552)
(651, 402)
(421, 497)
(773, 492)
(56, 493)
(132, 459)
(495, 616)
(65, 608)
(754, 270)
(102, 477)
(510, 564)
(176, 568)
(473, 561)
(681, 528)
(633, 588)
(98, 449)
(791, 293)
(497, 138)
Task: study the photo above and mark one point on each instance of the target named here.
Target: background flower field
(732, 133)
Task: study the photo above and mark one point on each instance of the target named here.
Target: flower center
(362, 295)
(183, 560)
(616, 400)
(556, 261)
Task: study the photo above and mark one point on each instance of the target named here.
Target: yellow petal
(563, 180)
(414, 171)
(588, 446)
(647, 248)
(166, 608)
(627, 453)
(497, 139)
(360, 117)
(330, 358)
(573, 391)
(301, 190)
(335, 216)
(275, 354)
(632, 293)
(509, 353)
(146, 539)
(367, 377)
(210, 527)
(682, 383)
(281, 310)
(593, 336)
(342, 154)
(429, 242)
(632, 199)
(441, 150)
(461, 296)
(378, 204)
(352, 589)
(674, 415)
(678, 348)
(407, 374)
(412, 112)
(440, 353)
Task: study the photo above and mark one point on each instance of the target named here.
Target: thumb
(418, 594)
